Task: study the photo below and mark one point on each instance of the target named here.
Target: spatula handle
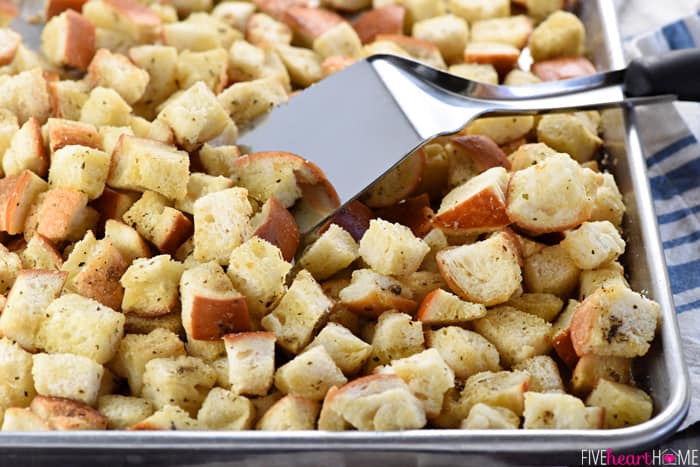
(676, 72)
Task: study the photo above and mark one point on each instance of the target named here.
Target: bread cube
(26, 95)
(80, 168)
(143, 325)
(566, 133)
(591, 368)
(497, 389)
(262, 28)
(607, 199)
(143, 164)
(482, 73)
(561, 35)
(465, 269)
(340, 39)
(160, 62)
(81, 326)
(127, 240)
(69, 40)
(151, 286)
(116, 71)
(189, 35)
(378, 403)
(23, 419)
(224, 410)
(67, 375)
(561, 335)
(392, 249)
(23, 313)
(65, 414)
(251, 362)
(207, 350)
(614, 321)
(234, 13)
(562, 411)
(442, 308)
(396, 335)
(17, 196)
(347, 351)
(624, 405)
(514, 30)
(258, 271)
(123, 411)
(303, 65)
(26, 151)
(246, 61)
(503, 57)
(168, 417)
(8, 127)
(448, 32)
(333, 251)
(209, 67)
(551, 271)
(218, 160)
(275, 224)
(369, 294)
(310, 374)
(546, 306)
(16, 383)
(309, 23)
(220, 224)
(561, 68)
(593, 244)
(475, 10)
(156, 221)
(484, 417)
(104, 106)
(593, 279)
(10, 43)
(544, 374)
(63, 133)
(302, 310)
(466, 352)
(10, 266)
(520, 78)
(137, 21)
(135, 350)
(248, 100)
(290, 413)
(60, 214)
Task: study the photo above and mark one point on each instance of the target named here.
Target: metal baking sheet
(662, 372)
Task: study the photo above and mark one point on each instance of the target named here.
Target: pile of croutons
(153, 277)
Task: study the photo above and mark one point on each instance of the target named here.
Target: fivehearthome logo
(596, 457)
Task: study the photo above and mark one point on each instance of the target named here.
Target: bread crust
(388, 19)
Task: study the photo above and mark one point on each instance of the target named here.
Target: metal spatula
(361, 122)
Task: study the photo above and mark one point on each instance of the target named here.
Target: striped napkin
(670, 134)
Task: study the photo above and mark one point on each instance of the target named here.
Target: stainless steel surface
(662, 371)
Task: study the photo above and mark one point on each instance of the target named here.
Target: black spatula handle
(676, 72)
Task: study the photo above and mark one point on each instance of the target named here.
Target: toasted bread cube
(275, 224)
(8, 127)
(561, 335)
(143, 164)
(220, 224)
(69, 39)
(593, 279)
(436, 240)
(624, 405)
(23, 313)
(104, 106)
(448, 32)
(218, 160)
(63, 133)
(246, 61)
(195, 116)
(160, 62)
(81, 326)
(484, 417)
(544, 374)
(334, 250)
(135, 350)
(503, 57)
(67, 375)
(26, 95)
(561, 35)
(65, 414)
(10, 267)
(248, 100)
(465, 352)
(116, 71)
(517, 335)
(341, 40)
(396, 335)
(422, 51)
(348, 5)
(290, 413)
(483, 73)
(302, 310)
(23, 419)
(209, 67)
(137, 21)
(378, 403)
(562, 411)
(591, 368)
(184, 381)
(143, 325)
(614, 321)
(514, 30)
(151, 286)
(257, 171)
(303, 65)
(10, 41)
(262, 28)
(369, 294)
(607, 199)
(127, 240)
(347, 351)
(168, 417)
(234, 13)
(501, 130)
(188, 35)
(531, 193)
(309, 23)
(110, 135)
(520, 78)
(17, 198)
(310, 374)
(475, 10)
(593, 244)
(207, 350)
(156, 221)
(442, 308)
(497, 389)
(464, 269)
(566, 133)
(60, 214)
(251, 362)
(329, 419)
(420, 283)
(561, 68)
(392, 249)
(224, 410)
(26, 151)
(227, 34)
(16, 383)
(80, 168)
(115, 41)
(258, 271)
(551, 271)
(546, 306)
(123, 411)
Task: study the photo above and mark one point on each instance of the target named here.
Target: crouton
(66, 414)
(464, 269)
(23, 313)
(63, 133)
(607, 199)
(378, 403)
(347, 351)
(207, 350)
(546, 306)
(290, 413)
(624, 405)
(551, 271)
(303, 65)
(104, 106)
(123, 411)
(309, 375)
(8, 11)
(500, 130)
(23, 419)
(137, 21)
(302, 310)
(561, 35)
(156, 221)
(503, 57)
(369, 294)
(340, 39)
(224, 410)
(593, 244)
(614, 321)
(396, 335)
(498, 389)
(116, 71)
(482, 73)
(8, 127)
(441, 308)
(10, 267)
(276, 225)
(26, 151)
(262, 28)
(422, 51)
(199, 185)
(465, 352)
(388, 19)
(127, 240)
(188, 35)
(69, 39)
(251, 362)
(17, 196)
(17, 385)
(419, 284)
(333, 251)
(592, 368)
(309, 23)
(67, 375)
(415, 213)
(60, 214)
(391, 249)
(562, 411)
(160, 62)
(398, 183)
(448, 32)
(484, 417)
(26, 95)
(143, 325)
(531, 191)
(67, 98)
(544, 374)
(246, 101)
(168, 417)
(218, 160)
(475, 10)
(10, 43)
(80, 168)
(561, 335)
(593, 279)
(566, 133)
(529, 154)
(520, 78)
(236, 14)
(151, 286)
(514, 30)
(246, 62)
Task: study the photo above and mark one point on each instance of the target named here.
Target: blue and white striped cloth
(670, 134)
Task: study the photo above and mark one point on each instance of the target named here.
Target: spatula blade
(348, 124)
